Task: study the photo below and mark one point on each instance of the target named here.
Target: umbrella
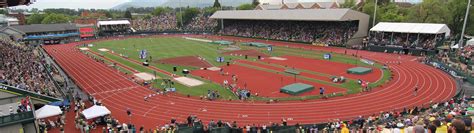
(47, 111)
(95, 111)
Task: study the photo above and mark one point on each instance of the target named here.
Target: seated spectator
(329, 33)
(24, 68)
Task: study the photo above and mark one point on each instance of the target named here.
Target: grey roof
(291, 5)
(270, 7)
(307, 4)
(326, 5)
(34, 28)
(295, 15)
(9, 30)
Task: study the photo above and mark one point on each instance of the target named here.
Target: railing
(48, 69)
(33, 95)
(17, 118)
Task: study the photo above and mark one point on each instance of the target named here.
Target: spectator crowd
(201, 23)
(453, 116)
(330, 33)
(22, 66)
(421, 41)
(169, 22)
(111, 30)
(164, 22)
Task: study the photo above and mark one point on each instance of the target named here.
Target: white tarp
(214, 68)
(277, 58)
(422, 28)
(95, 111)
(198, 39)
(47, 111)
(103, 50)
(83, 48)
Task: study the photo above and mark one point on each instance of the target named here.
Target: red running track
(118, 94)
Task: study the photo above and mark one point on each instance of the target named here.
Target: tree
(457, 12)
(209, 10)
(34, 10)
(54, 18)
(470, 26)
(255, 3)
(349, 4)
(65, 11)
(429, 11)
(160, 10)
(246, 7)
(127, 14)
(35, 18)
(368, 8)
(107, 13)
(383, 2)
(217, 4)
(391, 13)
(187, 15)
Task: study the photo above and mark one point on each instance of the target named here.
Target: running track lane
(118, 94)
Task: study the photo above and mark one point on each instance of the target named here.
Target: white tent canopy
(47, 111)
(455, 46)
(422, 28)
(113, 22)
(470, 42)
(95, 111)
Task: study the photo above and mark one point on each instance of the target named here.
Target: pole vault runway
(119, 93)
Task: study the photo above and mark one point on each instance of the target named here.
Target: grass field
(169, 47)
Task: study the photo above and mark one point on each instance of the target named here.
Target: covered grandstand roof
(295, 15)
(422, 28)
(113, 22)
(35, 28)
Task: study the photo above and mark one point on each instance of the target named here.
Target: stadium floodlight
(181, 12)
(461, 40)
(375, 13)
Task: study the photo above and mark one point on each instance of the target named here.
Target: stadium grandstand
(113, 27)
(166, 22)
(283, 67)
(44, 33)
(334, 27)
(408, 38)
(27, 80)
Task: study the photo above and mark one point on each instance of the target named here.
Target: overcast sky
(74, 4)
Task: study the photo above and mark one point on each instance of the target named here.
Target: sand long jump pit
(144, 76)
(190, 82)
